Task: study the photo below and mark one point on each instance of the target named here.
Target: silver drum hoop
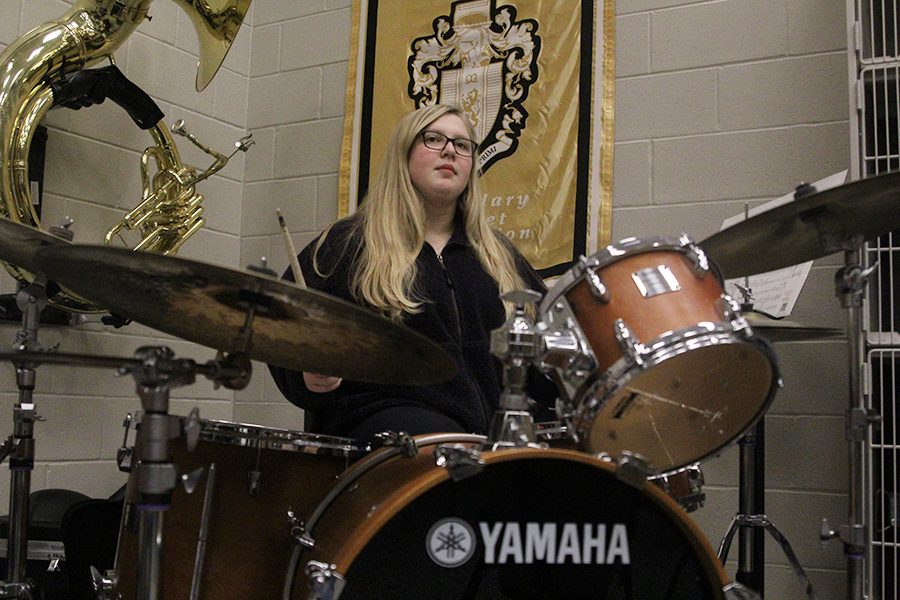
(612, 253)
(268, 438)
(581, 413)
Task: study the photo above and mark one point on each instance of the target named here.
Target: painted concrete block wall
(298, 68)
(718, 103)
(721, 104)
(93, 175)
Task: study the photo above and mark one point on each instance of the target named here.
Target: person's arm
(313, 391)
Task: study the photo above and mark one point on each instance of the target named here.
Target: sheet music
(776, 292)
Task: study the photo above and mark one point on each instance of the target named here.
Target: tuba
(91, 31)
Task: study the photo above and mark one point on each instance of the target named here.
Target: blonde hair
(392, 224)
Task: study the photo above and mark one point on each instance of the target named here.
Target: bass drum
(226, 539)
(524, 523)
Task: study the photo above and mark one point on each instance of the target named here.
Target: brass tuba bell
(91, 31)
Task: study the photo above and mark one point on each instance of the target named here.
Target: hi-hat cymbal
(292, 327)
(19, 243)
(808, 228)
(782, 330)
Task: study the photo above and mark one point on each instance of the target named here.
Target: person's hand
(320, 383)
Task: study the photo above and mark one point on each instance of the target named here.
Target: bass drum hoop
(230, 433)
(417, 486)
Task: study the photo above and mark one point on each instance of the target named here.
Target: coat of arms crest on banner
(484, 59)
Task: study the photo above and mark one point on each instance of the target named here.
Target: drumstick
(292, 254)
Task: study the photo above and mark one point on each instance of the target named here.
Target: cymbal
(782, 330)
(811, 227)
(19, 243)
(292, 327)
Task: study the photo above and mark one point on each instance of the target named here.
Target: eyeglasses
(438, 141)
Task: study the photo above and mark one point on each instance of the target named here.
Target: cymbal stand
(751, 516)
(850, 283)
(19, 447)
(156, 474)
(515, 344)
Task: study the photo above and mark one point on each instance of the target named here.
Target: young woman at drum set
(420, 252)
(447, 513)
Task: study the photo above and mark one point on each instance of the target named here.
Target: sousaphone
(91, 31)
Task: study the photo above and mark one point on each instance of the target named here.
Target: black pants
(409, 419)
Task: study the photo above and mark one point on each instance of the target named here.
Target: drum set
(657, 368)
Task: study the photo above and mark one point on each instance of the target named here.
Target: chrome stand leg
(763, 521)
(751, 517)
(850, 283)
(31, 299)
(150, 524)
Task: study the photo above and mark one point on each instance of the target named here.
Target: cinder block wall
(93, 175)
(718, 104)
(298, 71)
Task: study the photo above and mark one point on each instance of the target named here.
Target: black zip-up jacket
(461, 306)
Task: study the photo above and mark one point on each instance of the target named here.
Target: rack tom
(658, 359)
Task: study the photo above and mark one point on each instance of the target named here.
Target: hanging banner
(536, 79)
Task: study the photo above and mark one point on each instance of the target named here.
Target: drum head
(537, 528)
(682, 409)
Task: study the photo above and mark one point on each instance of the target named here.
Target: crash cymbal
(811, 227)
(293, 327)
(782, 330)
(19, 243)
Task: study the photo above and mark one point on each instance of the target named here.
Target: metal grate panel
(884, 367)
(877, 33)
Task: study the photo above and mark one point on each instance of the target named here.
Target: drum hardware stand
(850, 283)
(515, 343)
(156, 474)
(751, 516)
(19, 446)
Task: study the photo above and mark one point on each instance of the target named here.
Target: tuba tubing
(89, 32)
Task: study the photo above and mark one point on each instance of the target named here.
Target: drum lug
(298, 531)
(696, 257)
(125, 453)
(594, 282)
(564, 345)
(324, 581)
(731, 310)
(629, 344)
(104, 584)
(632, 469)
(460, 461)
(398, 439)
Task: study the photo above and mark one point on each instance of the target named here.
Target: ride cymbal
(19, 243)
(291, 327)
(808, 228)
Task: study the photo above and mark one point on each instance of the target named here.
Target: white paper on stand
(776, 292)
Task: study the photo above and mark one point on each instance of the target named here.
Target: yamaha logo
(450, 542)
(485, 59)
